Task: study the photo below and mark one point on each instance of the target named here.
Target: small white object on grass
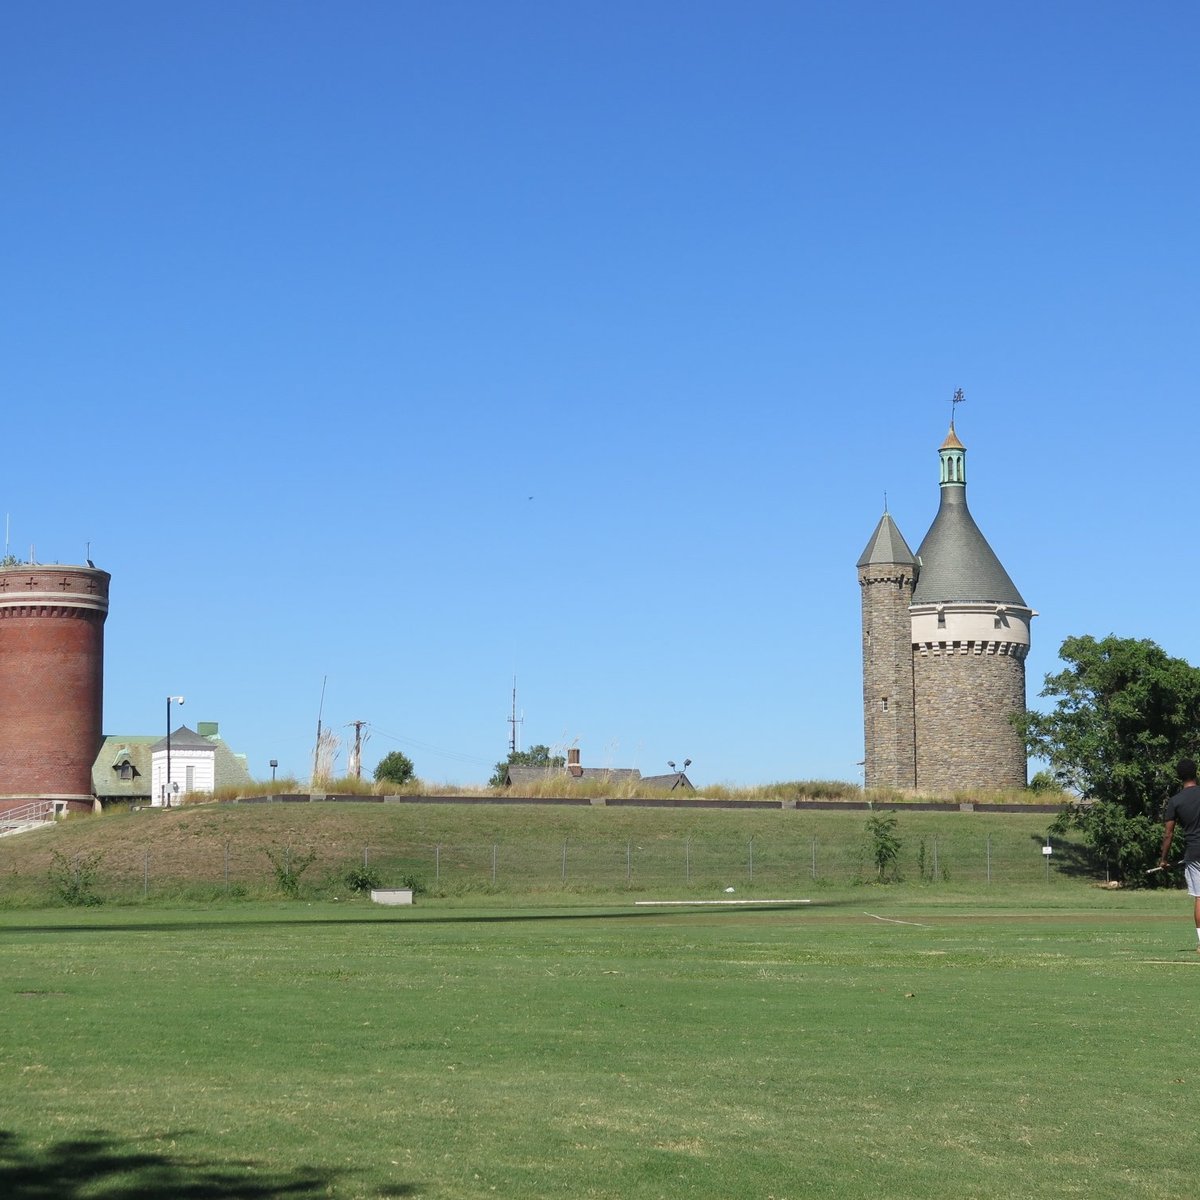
(729, 889)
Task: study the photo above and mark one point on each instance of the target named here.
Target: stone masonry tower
(51, 682)
(887, 572)
(968, 630)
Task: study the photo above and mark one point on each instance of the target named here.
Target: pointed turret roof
(956, 562)
(887, 545)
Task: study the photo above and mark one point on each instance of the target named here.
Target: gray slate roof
(106, 770)
(519, 775)
(956, 562)
(887, 545)
(668, 783)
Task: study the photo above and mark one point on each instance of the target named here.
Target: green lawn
(1015, 1044)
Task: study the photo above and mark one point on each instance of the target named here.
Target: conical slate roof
(957, 564)
(887, 545)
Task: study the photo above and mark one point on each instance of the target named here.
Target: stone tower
(887, 572)
(968, 630)
(51, 682)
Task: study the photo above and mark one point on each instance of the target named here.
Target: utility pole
(356, 753)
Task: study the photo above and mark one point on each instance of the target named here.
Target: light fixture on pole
(274, 764)
(167, 788)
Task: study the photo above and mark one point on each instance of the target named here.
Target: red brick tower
(51, 682)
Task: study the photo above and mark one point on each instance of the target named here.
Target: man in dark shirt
(1184, 808)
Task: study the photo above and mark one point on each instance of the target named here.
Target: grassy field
(882, 1042)
(211, 851)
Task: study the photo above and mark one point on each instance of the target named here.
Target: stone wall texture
(890, 753)
(51, 680)
(965, 693)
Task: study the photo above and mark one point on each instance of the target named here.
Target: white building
(194, 765)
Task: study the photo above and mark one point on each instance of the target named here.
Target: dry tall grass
(558, 785)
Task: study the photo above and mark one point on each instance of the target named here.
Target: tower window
(884, 703)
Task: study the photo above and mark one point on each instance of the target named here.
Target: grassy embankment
(217, 851)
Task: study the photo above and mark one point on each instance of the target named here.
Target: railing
(26, 814)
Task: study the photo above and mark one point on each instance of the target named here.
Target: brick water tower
(51, 683)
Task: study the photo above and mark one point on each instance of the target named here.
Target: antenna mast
(514, 721)
(320, 712)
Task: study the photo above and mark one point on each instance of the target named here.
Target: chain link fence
(782, 867)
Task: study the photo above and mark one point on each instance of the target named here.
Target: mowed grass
(881, 1043)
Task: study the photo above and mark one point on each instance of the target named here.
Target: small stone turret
(886, 574)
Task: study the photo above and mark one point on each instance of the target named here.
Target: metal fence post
(564, 865)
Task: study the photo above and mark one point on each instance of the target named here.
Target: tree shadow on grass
(440, 917)
(102, 1167)
(1073, 860)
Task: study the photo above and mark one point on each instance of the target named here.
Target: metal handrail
(34, 810)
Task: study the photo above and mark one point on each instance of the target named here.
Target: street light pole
(167, 789)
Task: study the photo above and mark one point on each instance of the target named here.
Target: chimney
(573, 762)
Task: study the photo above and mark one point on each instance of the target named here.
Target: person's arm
(1168, 834)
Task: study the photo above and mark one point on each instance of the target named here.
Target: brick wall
(51, 679)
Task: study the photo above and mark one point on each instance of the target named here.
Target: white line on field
(690, 903)
(893, 921)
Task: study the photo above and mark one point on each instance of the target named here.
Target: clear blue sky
(415, 345)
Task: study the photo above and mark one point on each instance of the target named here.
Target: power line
(454, 755)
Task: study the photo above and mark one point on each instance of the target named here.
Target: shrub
(363, 879)
(73, 879)
(289, 867)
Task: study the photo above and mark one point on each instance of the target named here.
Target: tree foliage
(1125, 712)
(883, 844)
(535, 756)
(394, 767)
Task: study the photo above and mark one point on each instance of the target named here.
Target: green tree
(394, 767)
(883, 844)
(1124, 713)
(535, 756)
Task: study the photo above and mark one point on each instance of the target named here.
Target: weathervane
(957, 398)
